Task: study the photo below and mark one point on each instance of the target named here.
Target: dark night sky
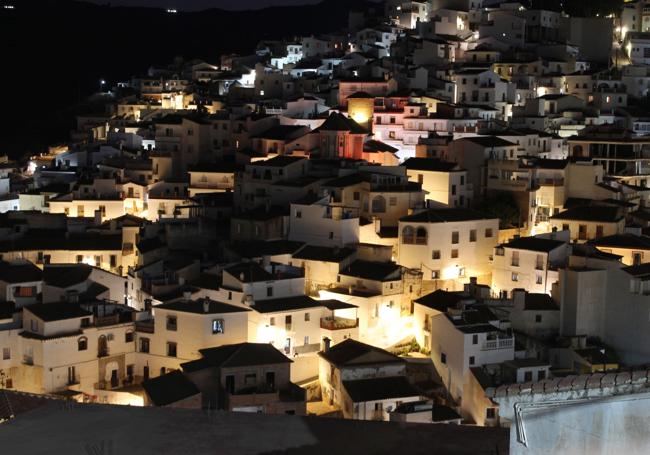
(193, 5)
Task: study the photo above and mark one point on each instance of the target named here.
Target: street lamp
(102, 82)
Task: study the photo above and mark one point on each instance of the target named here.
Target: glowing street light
(102, 82)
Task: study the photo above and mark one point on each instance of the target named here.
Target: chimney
(518, 299)
(242, 276)
(187, 295)
(326, 344)
(206, 305)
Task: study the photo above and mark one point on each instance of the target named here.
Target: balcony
(102, 352)
(338, 323)
(499, 343)
(144, 326)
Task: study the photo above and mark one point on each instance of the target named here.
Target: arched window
(82, 344)
(378, 204)
(577, 149)
(408, 235)
(421, 236)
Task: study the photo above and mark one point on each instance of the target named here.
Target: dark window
(528, 376)
(490, 413)
(128, 337)
(172, 323)
(443, 358)
(472, 360)
(269, 291)
(144, 345)
(171, 349)
(474, 339)
(82, 344)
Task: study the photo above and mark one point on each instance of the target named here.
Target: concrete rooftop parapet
(623, 378)
(625, 381)
(639, 376)
(593, 381)
(608, 380)
(579, 382)
(566, 383)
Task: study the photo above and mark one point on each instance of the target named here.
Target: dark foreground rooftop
(53, 427)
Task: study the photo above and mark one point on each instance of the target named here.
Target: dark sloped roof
(375, 146)
(590, 213)
(442, 413)
(169, 388)
(445, 215)
(346, 180)
(63, 276)
(379, 389)
(249, 272)
(377, 271)
(441, 300)
(196, 306)
(279, 161)
(489, 141)
(638, 270)
(243, 354)
(360, 95)
(300, 302)
(19, 272)
(624, 241)
(429, 164)
(57, 311)
(333, 304)
(534, 244)
(351, 352)
(339, 122)
(323, 253)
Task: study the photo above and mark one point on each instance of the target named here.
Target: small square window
(454, 253)
(435, 254)
(538, 318)
(307, 317)
(472, 360)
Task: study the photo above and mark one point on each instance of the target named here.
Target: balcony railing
(499, 343)
(144, 326)
(306, 348)
(338, 323)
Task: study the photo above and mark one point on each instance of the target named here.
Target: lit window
(217, 326)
